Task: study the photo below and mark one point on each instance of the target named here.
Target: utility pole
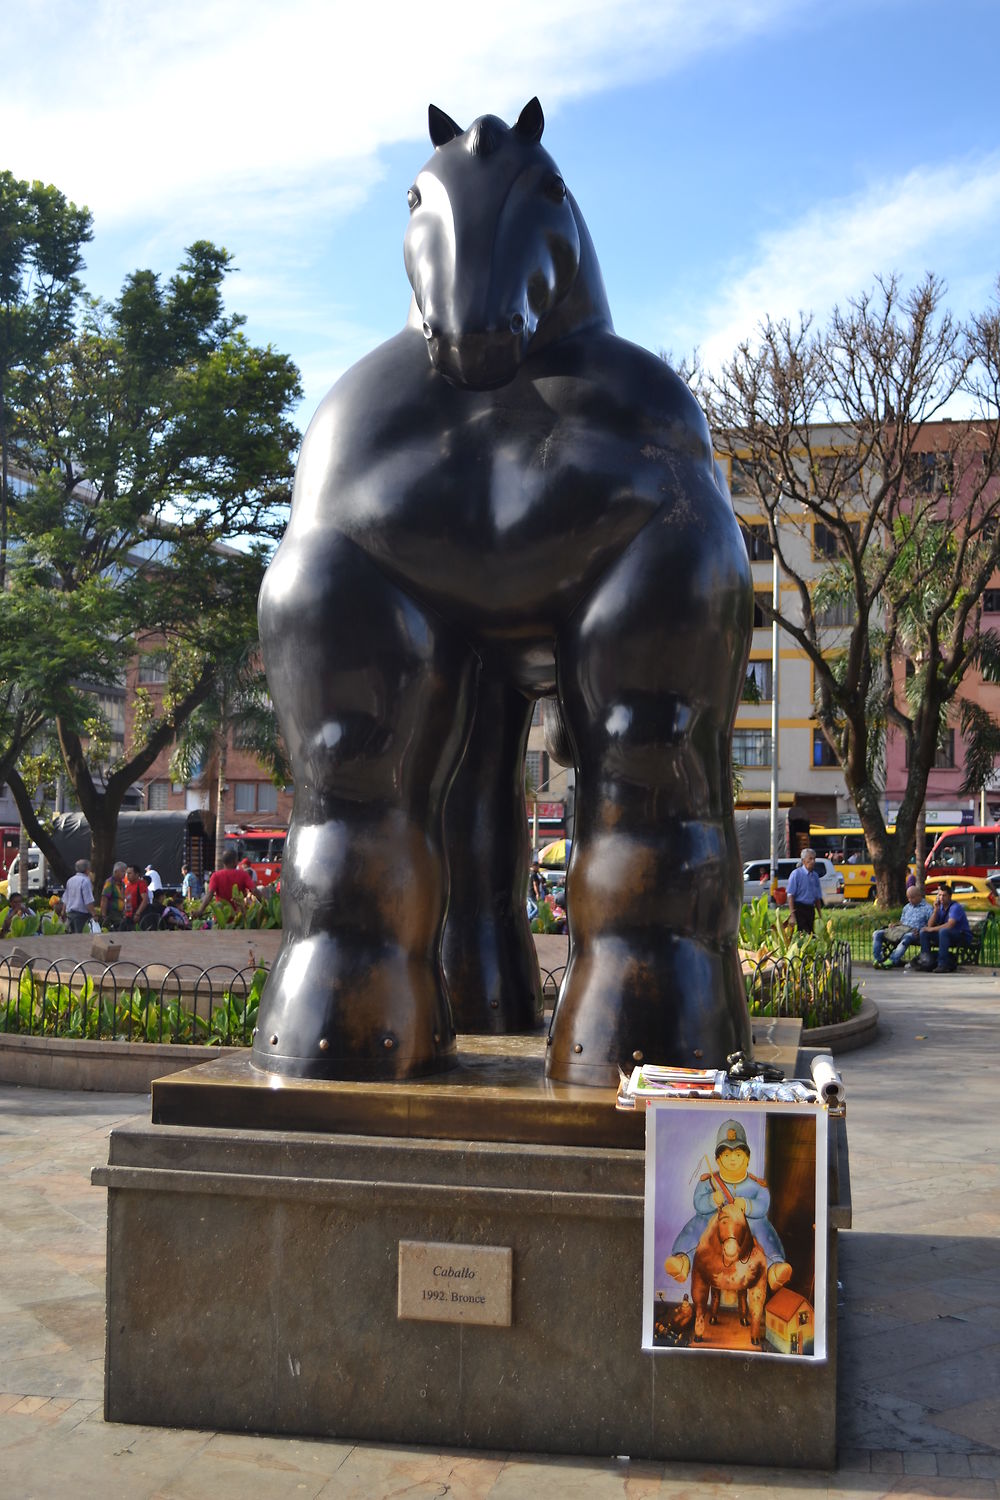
(775, 600)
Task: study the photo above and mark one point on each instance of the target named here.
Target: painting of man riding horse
(735, 1252)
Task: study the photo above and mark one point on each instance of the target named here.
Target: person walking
(805, 894)
(78, 898)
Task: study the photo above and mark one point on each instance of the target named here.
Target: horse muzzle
(478, 361)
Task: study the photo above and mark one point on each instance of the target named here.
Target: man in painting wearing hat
(730, 1181)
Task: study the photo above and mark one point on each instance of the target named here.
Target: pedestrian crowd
(133, 898)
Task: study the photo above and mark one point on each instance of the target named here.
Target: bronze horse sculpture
(505, 501)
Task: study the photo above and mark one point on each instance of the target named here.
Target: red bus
(263, 847)
(965, 851)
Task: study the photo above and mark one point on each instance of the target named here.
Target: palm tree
(237, 712)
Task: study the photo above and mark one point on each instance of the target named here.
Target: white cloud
(140, 109)
(925, 220)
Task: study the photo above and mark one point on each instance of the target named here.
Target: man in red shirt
(225, 880)
(135, 895)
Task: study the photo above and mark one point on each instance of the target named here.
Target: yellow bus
(847, 848)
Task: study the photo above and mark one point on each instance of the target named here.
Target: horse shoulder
(660, 398)
(352, 420)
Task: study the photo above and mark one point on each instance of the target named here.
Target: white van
(34, 871)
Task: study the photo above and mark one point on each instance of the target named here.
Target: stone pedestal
(253, 1286)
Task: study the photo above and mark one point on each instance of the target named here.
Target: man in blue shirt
(915, 915)
(805, 894)
(949, 928)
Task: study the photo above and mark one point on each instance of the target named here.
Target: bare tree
(843, 438)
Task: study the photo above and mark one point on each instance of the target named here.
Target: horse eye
(413, 198)
(555, 189)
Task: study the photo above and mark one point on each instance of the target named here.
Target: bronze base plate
(498, 1092)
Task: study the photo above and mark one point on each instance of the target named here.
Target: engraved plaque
(442, 1283)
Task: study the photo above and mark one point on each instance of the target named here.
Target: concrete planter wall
(101, 1067)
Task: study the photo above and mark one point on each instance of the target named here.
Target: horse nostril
(517, 324)
(428, 331)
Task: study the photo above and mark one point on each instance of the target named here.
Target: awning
(763, 799)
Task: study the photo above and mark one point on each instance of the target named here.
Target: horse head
(734, 1232)
(496, 251)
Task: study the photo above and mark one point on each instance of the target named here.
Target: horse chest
(472, 513)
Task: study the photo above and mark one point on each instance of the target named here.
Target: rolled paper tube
(829, 1084)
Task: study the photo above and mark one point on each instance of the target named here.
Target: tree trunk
(220, 826)
(103, 833)
(38, 835)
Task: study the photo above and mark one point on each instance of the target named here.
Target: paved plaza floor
(919, 1405)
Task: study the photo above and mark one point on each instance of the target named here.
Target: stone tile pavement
(919, 1404)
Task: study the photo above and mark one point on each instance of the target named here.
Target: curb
(846, 1036)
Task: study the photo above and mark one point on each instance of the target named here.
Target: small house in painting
(789, 1323)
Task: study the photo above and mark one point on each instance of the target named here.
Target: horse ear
(530, 122)
(442, 127)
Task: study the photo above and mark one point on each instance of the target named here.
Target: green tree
(156, 437)
(238, 710)
(41, 240)
(41, 641)
(838, 436)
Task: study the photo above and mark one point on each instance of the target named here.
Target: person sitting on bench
(949, 928)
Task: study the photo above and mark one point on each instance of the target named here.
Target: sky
(732, 158)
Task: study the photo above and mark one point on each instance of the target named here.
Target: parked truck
(165, 840)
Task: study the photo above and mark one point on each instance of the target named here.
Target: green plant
(234, 1020)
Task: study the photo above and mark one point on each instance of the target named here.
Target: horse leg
(374, 697)
(489, 957)
(651, 668)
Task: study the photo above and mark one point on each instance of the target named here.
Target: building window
(156, 796)
(534, 769)
(836, 475)
(945, 758)
(756, 540)
(991, 601)
(112, 709)
(255, 797)
(823, 752)
(829, 542)
(747, 478)
(838, 612)
(152, 668)
(929, 473)
(245, 797)
(757, 688)
(751, 747)
(760, 620)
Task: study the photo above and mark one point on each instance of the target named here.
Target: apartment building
(809, 778)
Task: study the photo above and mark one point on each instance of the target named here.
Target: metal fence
(859, 931)
(819, 990)
(126, 1002)
(185, 1003)
(551, 980)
